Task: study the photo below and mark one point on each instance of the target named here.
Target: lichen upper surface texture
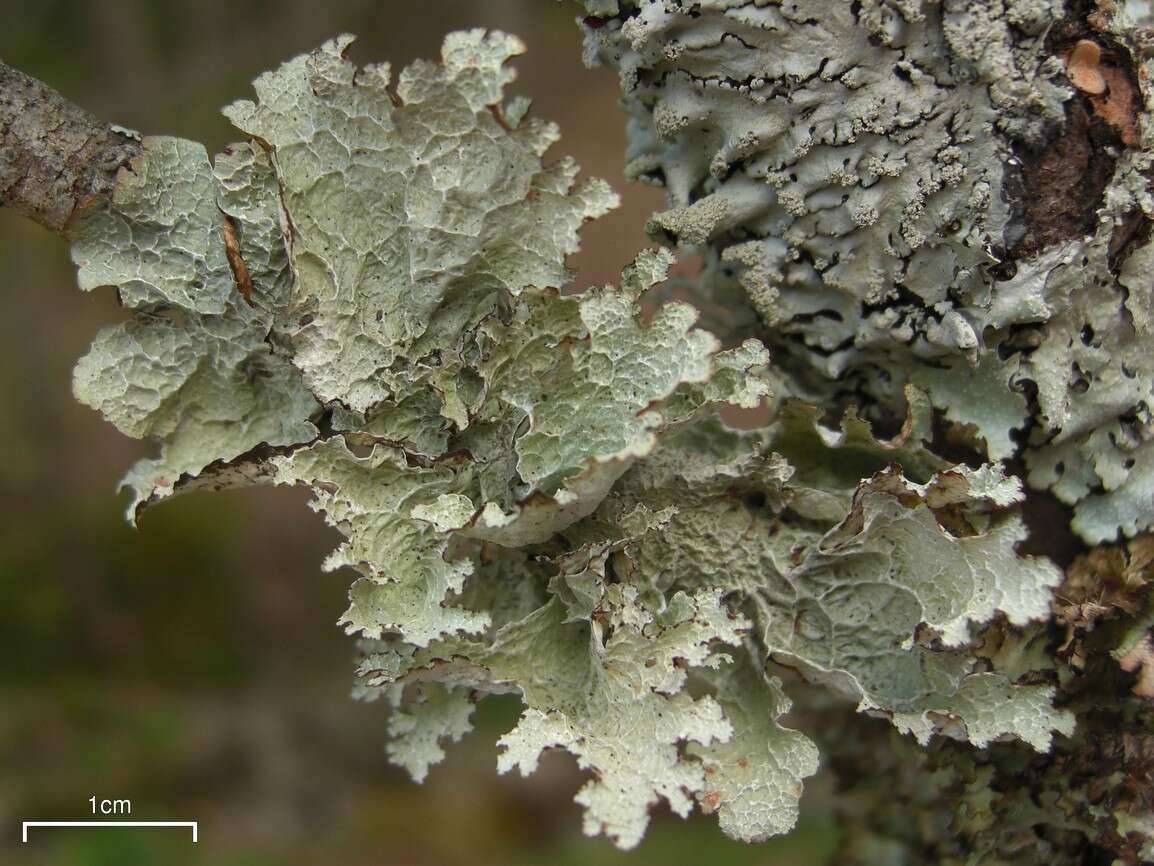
(538, 490)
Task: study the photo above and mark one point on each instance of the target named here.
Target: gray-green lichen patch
(439, 713)
(630, 712)
(158, 239)
(409, 223)
(193, 367)
(1094, 370)
(407, 573)
(537, 492)
(753, 778)
(919, 192)
(869, 587)
(871, 594)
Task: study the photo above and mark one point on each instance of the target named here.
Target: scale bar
(26, 824)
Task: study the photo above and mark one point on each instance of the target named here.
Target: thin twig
(54, 155)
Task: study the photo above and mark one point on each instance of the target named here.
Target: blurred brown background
(193, 666)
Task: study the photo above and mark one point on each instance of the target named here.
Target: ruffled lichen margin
(538, 489)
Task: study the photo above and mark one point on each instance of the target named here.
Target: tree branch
(54, 155)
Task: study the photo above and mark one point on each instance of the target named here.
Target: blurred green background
(193, 665)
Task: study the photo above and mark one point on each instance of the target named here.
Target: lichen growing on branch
(538, 489)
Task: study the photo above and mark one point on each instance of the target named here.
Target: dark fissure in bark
(1059, 188)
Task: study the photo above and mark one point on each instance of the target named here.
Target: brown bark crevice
(54, 155)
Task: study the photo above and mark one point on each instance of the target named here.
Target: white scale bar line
(27, 824)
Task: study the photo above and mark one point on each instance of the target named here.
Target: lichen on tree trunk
(955, 196)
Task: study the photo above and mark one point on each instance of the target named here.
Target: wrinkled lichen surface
(538, 490)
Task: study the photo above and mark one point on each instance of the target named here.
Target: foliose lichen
(946, 194)
(538, 489)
